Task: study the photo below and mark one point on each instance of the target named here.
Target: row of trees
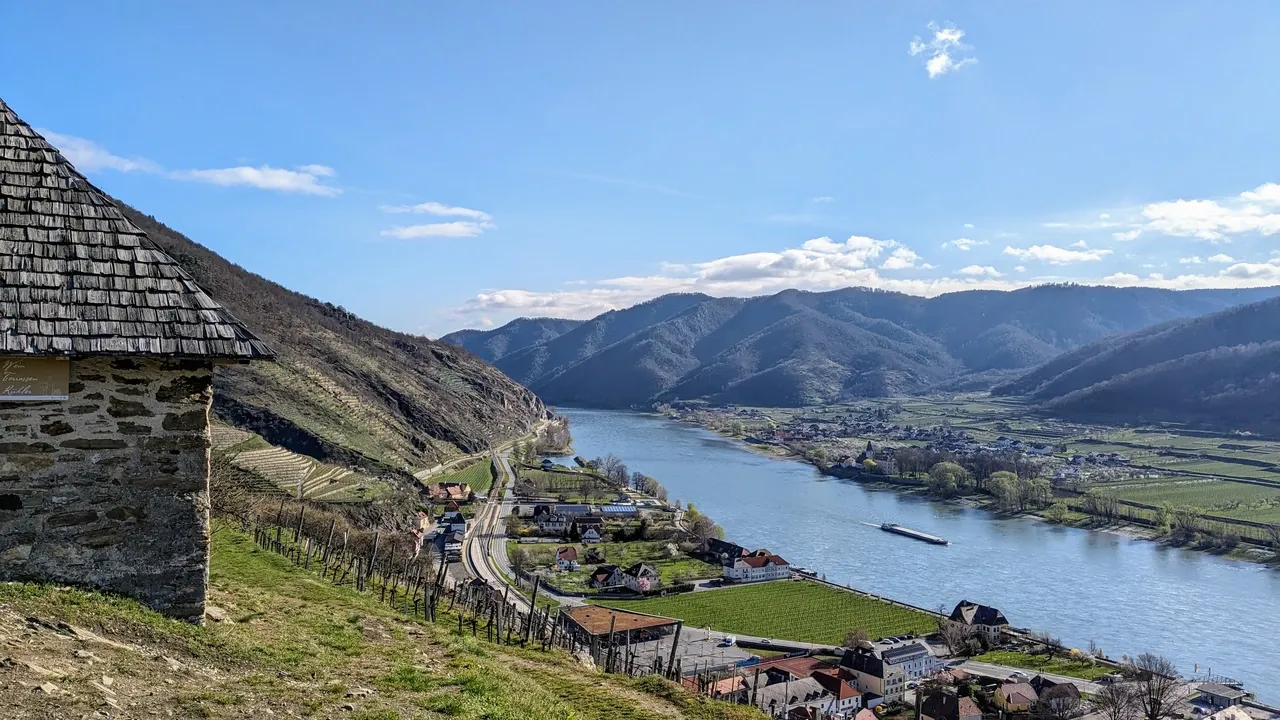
(612, 467)
(554, 438)
(1012, 491)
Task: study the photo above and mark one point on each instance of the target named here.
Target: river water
(1129, 596)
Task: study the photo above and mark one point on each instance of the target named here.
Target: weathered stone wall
(110, 488)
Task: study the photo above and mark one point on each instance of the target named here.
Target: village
(603, 553)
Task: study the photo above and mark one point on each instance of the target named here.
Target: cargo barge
(913, 534)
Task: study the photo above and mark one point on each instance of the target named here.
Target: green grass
(1213, 497)
(796, 610)
(570, 486)
(295, 642)
(621, 554)
(479, 475)
(1041, 663)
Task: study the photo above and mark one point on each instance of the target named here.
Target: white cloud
(1221, 259)
(440, 209)
(1104, 216)
(900, 259)
(304, 180)
(822, 199)
(1190, 260)
(944, 52)
(968, 226)
(1021, 268)
(964, 243)
(455, 229)
(1055, 255)
(89, 157)
(1252, 211)
(1080, 244)
(980, 271)
(1126, 235)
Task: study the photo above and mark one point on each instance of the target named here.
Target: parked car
(728, 641)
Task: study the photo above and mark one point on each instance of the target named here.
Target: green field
(1213, 497)
(572, 487)
(1041, 663)
(621, 554)
(795, 610)
(479, 475)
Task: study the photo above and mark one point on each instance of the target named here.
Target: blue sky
(431, 167)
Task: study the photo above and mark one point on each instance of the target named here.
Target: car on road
(1018, 675)
(728, 641)
(766, 641)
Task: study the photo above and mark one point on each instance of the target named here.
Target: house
(547, 464)
(725, 551)
(757, 568)
(779, 699)
(1218, 695)
(1235, 712)
(846, 698)
(944, 705)
(641, 578)
(453, 522)
(450, 492)
(606, 576)
(108, 350)
(553, 524)
(915, 659)
(1015, 697)
(732, 689)
(619, 511)
(451, 545)
(591, 535)
(567, 558)
(584, 526)
(1042, 684)
(981, 619)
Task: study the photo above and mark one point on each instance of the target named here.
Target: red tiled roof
(567, 553)
(759, 561)
(1017, 693)
(798, 666)
(830, 679)
(969, 708)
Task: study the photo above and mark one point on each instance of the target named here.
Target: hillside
(1220, 371)
(515, 335)
(345, 390)
(800, 348)
(294, 645)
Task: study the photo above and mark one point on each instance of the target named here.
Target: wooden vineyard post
(675, 643)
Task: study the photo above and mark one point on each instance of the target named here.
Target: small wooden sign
(28, 378)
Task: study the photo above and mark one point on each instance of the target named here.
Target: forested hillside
(1221, 371)
(343, 389)
(799, 348)
(515, 335)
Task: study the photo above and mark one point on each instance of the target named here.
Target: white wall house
(757, 569)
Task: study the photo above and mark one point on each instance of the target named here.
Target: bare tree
(954, 635)
(856, 637)
(1060, 702)
(1052, 645)
(704, 528)
(1156, 693)
(1273, 536)
(1116, 701)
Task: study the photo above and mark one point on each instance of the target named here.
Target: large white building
(887, 671)
(757, 568)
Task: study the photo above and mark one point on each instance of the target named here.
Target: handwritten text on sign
(24, 378)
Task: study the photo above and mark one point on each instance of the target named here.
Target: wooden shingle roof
(77, 278)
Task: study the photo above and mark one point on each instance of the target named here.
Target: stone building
(107, 355)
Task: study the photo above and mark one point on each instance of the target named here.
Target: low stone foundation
(110, 488)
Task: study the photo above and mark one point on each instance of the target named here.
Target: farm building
(107, 355)
(590, 622)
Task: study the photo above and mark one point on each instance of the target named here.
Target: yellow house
(1015, 697)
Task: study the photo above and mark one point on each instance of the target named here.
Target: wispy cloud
(455, 229)
(964, 243)
(305, 180)
(1222, 259)
(89, 157)
(822, 199)
(633, 184)
(980, 271)
(435, 208)
(944, 51)
(1055, 255)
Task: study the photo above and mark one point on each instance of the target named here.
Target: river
(1128, 595)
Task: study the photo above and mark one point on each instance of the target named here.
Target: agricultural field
(479, 475)
(570, 487)
(1042, 663)
(304, 477)
(803, 611)
(671, 568)
(1213, 497)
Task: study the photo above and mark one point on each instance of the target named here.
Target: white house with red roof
(759, 566)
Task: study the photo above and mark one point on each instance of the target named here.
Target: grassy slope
(620, 554)
(479, 475)
(296, 645)
(1041, 663)
(804, 611)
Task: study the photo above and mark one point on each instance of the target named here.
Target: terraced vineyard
(304, 477)
(479, 475)
(813, 613)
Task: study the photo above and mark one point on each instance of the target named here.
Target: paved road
(1002, 672)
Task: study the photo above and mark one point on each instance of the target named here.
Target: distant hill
(1220, 371)
(800, 348)
(515, 335)
(345, 390)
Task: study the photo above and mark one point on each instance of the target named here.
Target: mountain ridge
(798, 348)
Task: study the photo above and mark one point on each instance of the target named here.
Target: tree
(1061, 702)
(520, 560)
(945, 478)
(702, 528)
(1115, 702)
(1273, 536)
(856, 637)
(1052, 645)
(1056, 512)
(954, 635)
(1156, 691)
(637, 480)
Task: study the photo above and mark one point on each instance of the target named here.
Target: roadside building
(590, 535)
(757, 568)
(107, 356)
(606, 576)
(887, 672)
(553, 524)
(567, 558)
(944, 705)
(981, 619)
(916, 660)
(846, 698)
(1219, 695)
(451, 546)
(724, 551)
(1015, 697)
(452, 522)
(641, 578)
(592, 623)
(779, 699)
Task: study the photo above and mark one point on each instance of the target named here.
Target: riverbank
(1250, 551)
